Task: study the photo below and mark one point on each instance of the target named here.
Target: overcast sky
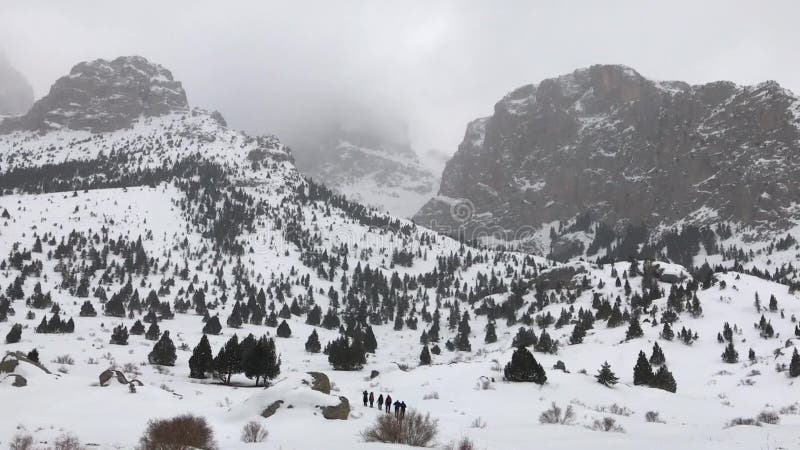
(282, 67)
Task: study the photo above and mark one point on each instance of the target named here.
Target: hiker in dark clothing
(371, 399)
(397, 409)
(402, 409)
(366, 398)
(388, 403)
(380, 401)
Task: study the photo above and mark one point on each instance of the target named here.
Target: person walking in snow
(388, 403)
(380, 402)
(371, 399)
(402, 409)
(366, 398)
(397, 409)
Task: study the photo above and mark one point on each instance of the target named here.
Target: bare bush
(432, 396)
(614, 409)
(67, 441)
(743, 421)
(556, 416)
(414, 429)
(794, 408)
(653, 417)
(608, 425)
(768, 416)
(478, 423)
(254, 432)
(178, 433)
(21, 442)
(64, 359)
(463, 444)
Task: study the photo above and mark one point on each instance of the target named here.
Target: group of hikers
(399, 407)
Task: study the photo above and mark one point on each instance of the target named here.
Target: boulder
(271, 409)
(338, 412)
(320, 382)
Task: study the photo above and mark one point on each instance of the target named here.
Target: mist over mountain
(16, 94)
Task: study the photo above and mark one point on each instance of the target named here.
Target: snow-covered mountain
(606, 147)
(369, 167)
(16, 93)
(124, 246)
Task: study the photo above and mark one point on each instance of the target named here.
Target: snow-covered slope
(178, 204)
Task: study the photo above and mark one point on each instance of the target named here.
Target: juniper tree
(312, 344)
(663, 379)
(605, 376)
(87, 310)
(794, 365)
(202, 359)
(578, 333)
(137, 328)
(15, 334)
(523, 367)
(152, 332)
(163, 352)
(642, 371)
(212, 326)
(666, 332)
(634, 329)
(525, 338)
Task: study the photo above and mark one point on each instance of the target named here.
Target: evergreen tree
(120, 335)
(525, 338)
(87, 310)
(730, 355)
(33, 355)
(346, 355)
(794, 365)
(202, 359)
(212, 326)
(605, 376)
(312, 344)
(663, 379)
(163, 353)
(578, 333)
(15, 334)
(153, 332)
(261, 361)
(751, 355)
(283, 330)
(137, 328)
(235, 319)
(642, 371)
(425, 356)
(667, 333)
(370, 344)
(546, 344)
(524, 367)
(491, 334)
(228, 360)
(634, 329)
(657, 358)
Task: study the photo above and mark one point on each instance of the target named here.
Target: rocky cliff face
(607, 142)
(16, 94)
(104, 96)
(369, 168)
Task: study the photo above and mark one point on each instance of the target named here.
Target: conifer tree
(137, 328)
(730, 355)
(202, 359)
(346, 354)
(667, 333)
(657, 357)
(312, 344)
(260, 360)
(425, 356)
(794, 365)
(605, 376)
(370, 344)
(491, 334)
(87, 310)
(634, 329)
(212, 326)
(163, 352)
(153, 332)
(523, 367)
(578, 333)
(33, 355)
(642, 371)
(228, 360)
(283, 330)
(663, 379)
(120, 335)
(15, 334)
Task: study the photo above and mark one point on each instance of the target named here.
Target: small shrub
(21, 442)
(64, 359)
(768, 416)
(478, 423)
(414, 429)
(431, 396)
(607, 425)
(653, 417)
(254, 432)
(743, 421)
(463, 444)
(178, 433)
(557, 416)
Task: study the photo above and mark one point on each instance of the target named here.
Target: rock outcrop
(16, 94)
(609, 143)
(102, 96)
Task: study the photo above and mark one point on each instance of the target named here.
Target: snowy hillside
(122, 249)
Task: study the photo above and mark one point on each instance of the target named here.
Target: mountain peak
(103, 95)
